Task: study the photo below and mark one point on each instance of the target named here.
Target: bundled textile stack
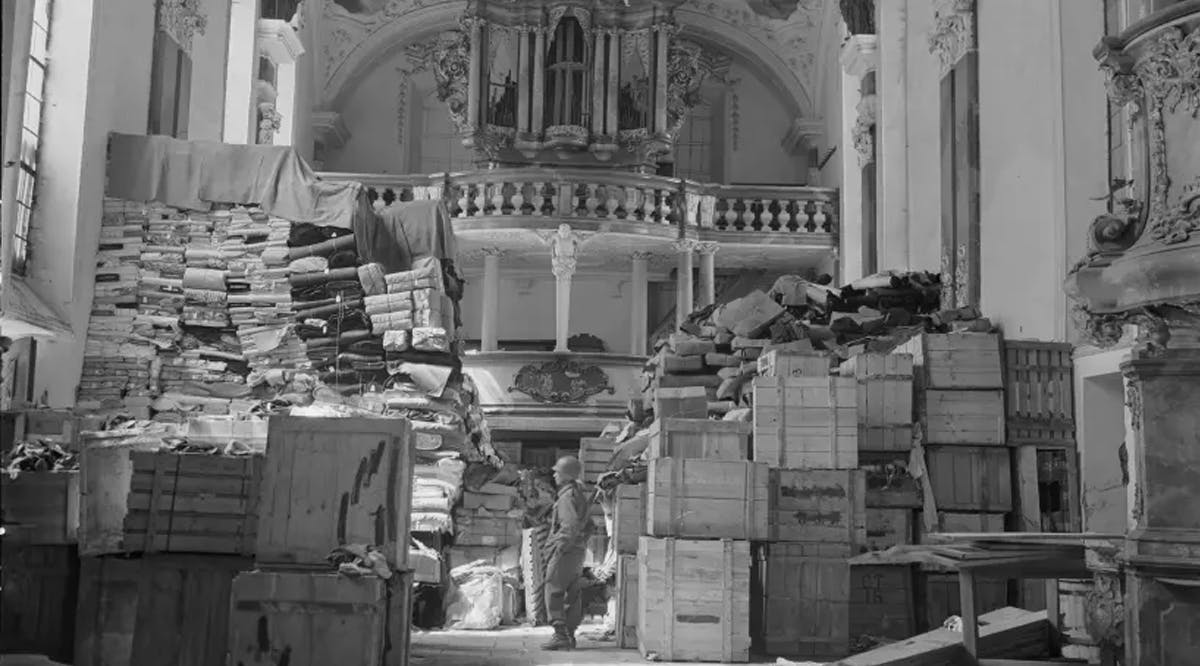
(116, 362)
(415, 309)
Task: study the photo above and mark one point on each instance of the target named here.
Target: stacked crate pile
(162, 533)
(486, 524)
(704, 504)
(1040, 423)
(806, 430)
(882, 594)
(335, 494)
(959, 404)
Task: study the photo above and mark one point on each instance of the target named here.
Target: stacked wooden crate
(806, 428)
(328, 483)
(486, 524)
(704, 503)
(959, 403)
(189, 521)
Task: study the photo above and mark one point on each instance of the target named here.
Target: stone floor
(515, 646)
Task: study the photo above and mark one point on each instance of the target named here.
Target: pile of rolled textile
(415, 312)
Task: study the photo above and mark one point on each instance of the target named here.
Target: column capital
(860, 55)
(707, 247)
(953, 34)
(684, 246)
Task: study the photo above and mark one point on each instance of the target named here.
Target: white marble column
(684, 300)
(860, 57)
(489, 335)
(639, 304)
(564, 249)
(708, 272)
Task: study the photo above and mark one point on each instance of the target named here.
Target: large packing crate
(317, 619)
(629, 517)
(885, 400)
(695, 600)
(334, 481)
(707, 499)
(822, 507)
(699, 438)
(881, 601)
(1039, 388)
(483, 528)
(955, 360)
(594, 454)
(805, 602)
(889, 483)
(155, 610)
(970, 478)
(689, 402)
(889, 527)
(938, 596)
(40, 508)
(152, 501)
(962, 417)
(38, 593)
(806, 422)
(777, 363)
(628, 592)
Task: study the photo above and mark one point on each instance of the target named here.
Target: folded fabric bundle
(348, 321)
(204, 278)
(205, 296)
(372, 346)
(395, 341)
(430, 339)
(307, 233)
(323, 248)
(308, 265)
(343, 259)
(276, 255)
(391, 321)
(307, 311)
(388, 303)
(323, 278)
(372, 278)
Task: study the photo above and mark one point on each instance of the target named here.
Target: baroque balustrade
(613, 196)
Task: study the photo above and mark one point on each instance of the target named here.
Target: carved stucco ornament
(182, 19)
(561, 381)
(1104, 613)
(448, 57)
(953, 33)
(864, 138)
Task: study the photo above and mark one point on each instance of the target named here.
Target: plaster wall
(1042, 137)
(923, 139)
(206, 114)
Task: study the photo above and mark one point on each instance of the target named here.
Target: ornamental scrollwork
(862, 132)
(448, 56)
(1104, 613)
(688, 66)
(1133, 401)
(561, 382)
(182, 19)
(953, 34)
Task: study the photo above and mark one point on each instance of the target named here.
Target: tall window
(24, 129)
(170, 87)
(694, 146)
(566, 74)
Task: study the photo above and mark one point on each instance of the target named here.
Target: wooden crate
(38, 593)
(707, 499)
(594, 454)
(889, 527)
(628, 592)
(885, 400)
(1046, 496)
(777, 363)
(889, 483)
(881, 601)
(690, 402)
(938, 596)
(952, 521)
(481, 529)
(314, 619)
(806, 602)
(509, 451)
(629, 517)
(962, 417)
(806, 422)
(970, 478)
(149, 501)
(821, 506)
(1039, 392)
(699, 438)
(158, 609)
(40, 508)
(334, 481)
(955, 360)
(694, 600)
(60, 426)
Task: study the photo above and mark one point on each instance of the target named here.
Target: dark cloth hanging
(404, 232)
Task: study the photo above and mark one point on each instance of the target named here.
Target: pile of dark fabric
(38, 456)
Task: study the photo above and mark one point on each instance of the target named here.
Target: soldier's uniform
(570, 527)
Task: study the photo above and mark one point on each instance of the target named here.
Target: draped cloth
(404, 232)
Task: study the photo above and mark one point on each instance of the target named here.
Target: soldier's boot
(561, 639)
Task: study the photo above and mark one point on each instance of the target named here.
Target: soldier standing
(570, 526)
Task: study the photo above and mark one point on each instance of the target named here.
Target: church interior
(391, 332)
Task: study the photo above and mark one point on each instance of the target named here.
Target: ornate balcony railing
(613, 196)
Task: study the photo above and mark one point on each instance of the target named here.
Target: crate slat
(955, 360)
(707, 499)
(970, 478)
(628, 592)
(694, 600)
(806, 603)
(629, 517)
(1039, 385)
(806, 422)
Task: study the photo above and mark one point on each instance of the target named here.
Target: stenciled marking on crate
(385, 515)
(834, 491)
(831, 518)
(697, 619)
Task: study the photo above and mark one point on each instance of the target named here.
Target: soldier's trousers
(563, 573)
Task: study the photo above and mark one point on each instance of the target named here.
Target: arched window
(566, 74)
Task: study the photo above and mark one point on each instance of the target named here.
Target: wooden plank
(694, 600)
(970, 612)
(973, 417)
(159, 609)
(1007, 631)
(970, 478)
(699, 438)
(629, 517)
(822, 506)
(1027, 496)
(707, 499)
(806, 422)
(965, 523)
(334, 481)
(882, 602)
(1039, 392)
(777, 363)
(628, 592)
(807, 603)
(313, 619)
(40, 508)
(955, 361)
(38, 592)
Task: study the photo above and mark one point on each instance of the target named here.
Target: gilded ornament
(561, 381)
